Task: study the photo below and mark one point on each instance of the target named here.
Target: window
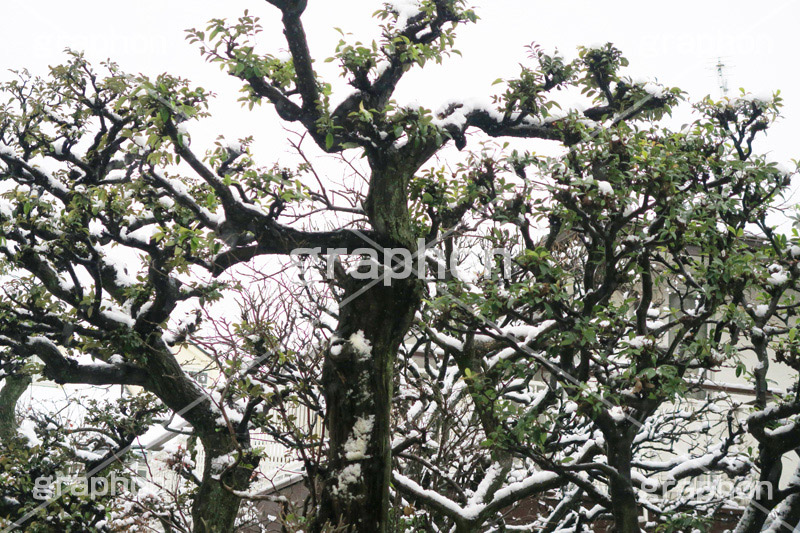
(690, 303)
(199, 376)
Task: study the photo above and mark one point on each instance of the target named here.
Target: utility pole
(721, 77)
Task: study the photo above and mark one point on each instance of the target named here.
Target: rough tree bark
(9, 395)
(623, 496)
(357, 382)
(358, 392)
(358, 386)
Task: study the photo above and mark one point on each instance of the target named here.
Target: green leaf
(648, 373)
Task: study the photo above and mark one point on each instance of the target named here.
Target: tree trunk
(623, 497)
(754, 517)
(9, 395)
(358, 385)
(215, 508)
(358, 394)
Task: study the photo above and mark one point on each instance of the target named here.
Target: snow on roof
(158, 435)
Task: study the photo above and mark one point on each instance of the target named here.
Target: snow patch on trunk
(356, 446)
(350, 475)
(360, 344)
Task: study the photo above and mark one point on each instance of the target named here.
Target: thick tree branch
(64, 370)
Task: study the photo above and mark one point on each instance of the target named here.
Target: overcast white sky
(676, 42)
